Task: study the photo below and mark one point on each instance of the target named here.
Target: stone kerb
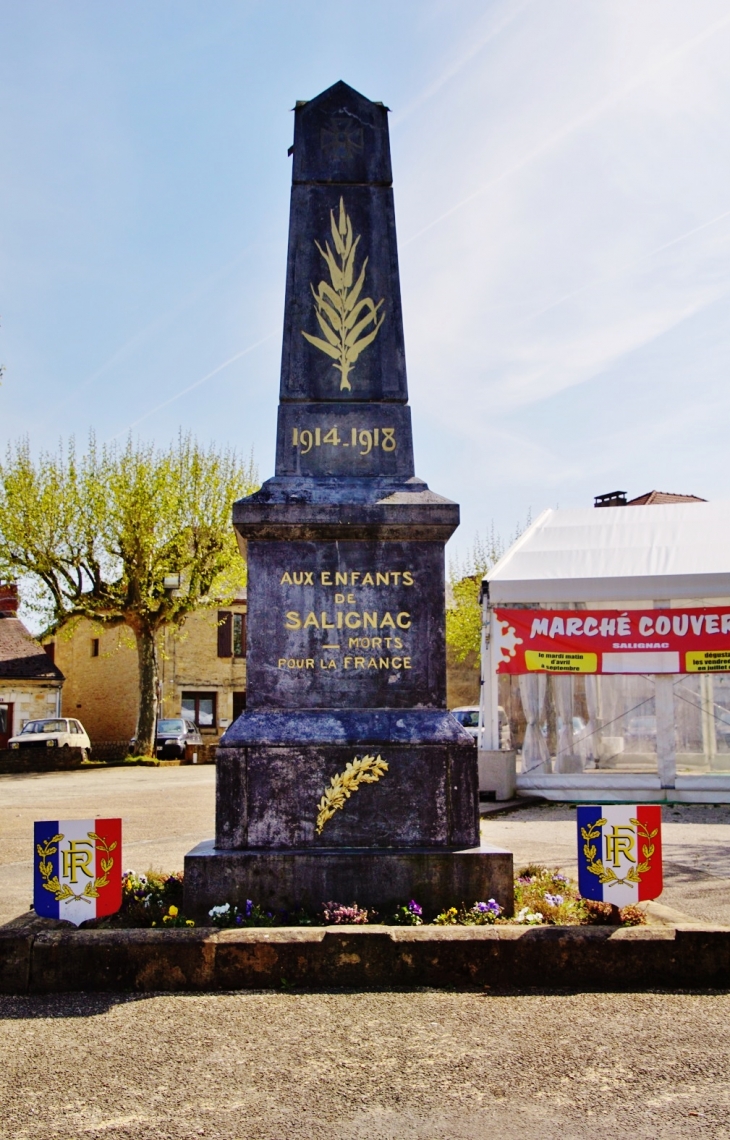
(37, 956)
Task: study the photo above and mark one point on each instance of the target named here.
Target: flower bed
(543, 897)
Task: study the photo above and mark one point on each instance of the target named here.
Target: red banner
(612, 641)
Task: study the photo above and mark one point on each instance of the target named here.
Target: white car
(56, 732)
(468, 718)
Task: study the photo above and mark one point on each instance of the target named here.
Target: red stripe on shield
(109, 865)
(649, 850)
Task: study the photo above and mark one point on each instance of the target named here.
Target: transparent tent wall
(613, 722)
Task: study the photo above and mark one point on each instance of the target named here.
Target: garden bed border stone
(40, 956)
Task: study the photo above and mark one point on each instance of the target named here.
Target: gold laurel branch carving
(62, 892)
(606, 874)
(348, 322)
(594, 865)
(367, 770)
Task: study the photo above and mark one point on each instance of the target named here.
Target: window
(231, 634)
(239, 635)
(95, 647)
(170, 727)
(200, 707)
(239, 704)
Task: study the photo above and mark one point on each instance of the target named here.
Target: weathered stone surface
(379, 880)
(15, 949)
(337, 439)
(308, 373)
(377, 957)
(340, 136)
(269, 796)
(370, 508)
(121, 960)
(346, 624)
(345, 550)
(346, 726)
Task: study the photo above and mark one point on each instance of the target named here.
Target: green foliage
(146, 899)
(98, 533)
(409, 914)
(544, 895)
(547, 896)
(94, 536)
(463, 614)
(480, 914)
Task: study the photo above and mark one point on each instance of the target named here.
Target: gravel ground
(423, 1064)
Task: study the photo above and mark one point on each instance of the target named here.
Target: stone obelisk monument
(346, 778)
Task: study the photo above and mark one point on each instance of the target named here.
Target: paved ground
(426, 1065)
(166, 811)
(696, 842)
(389, 1066)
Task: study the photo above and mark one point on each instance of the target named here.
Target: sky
(562, 190)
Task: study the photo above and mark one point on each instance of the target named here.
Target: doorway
(6, 724)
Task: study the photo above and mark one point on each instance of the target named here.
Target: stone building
(30, 683)
(202, 673)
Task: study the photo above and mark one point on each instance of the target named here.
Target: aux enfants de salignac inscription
(345, 778)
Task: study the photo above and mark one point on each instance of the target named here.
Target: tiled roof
(653, 498)
(21, 656)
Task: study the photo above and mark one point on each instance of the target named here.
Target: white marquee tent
(618, 557)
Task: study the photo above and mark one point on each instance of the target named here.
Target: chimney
(612, 499)
(8, 599)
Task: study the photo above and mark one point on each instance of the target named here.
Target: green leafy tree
(104, 536)
(463, 613)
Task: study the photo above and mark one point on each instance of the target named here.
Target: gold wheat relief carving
(368, 770)
(349, 323)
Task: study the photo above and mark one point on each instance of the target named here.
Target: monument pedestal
(346, 779)
(381, 880)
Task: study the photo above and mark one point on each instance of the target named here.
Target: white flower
(219, 911)
(528, 917)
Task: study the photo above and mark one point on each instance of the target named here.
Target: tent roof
(658, 552)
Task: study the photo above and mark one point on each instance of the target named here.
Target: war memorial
(346, 777)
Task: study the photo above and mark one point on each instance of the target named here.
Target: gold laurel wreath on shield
(367, 770)
(343, 316)
(607, 874)
(62, 892)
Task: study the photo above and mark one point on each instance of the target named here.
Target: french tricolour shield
(620, 853)
(78, 868)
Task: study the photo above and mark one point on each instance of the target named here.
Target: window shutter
(225, 634)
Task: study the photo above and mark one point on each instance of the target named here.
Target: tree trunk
(148, 679)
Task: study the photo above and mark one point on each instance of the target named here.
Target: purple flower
(554, 900)
(249, 908)
(560, 878)
(490, 907)
(414, 908)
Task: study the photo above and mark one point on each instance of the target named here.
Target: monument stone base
(381, 880)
